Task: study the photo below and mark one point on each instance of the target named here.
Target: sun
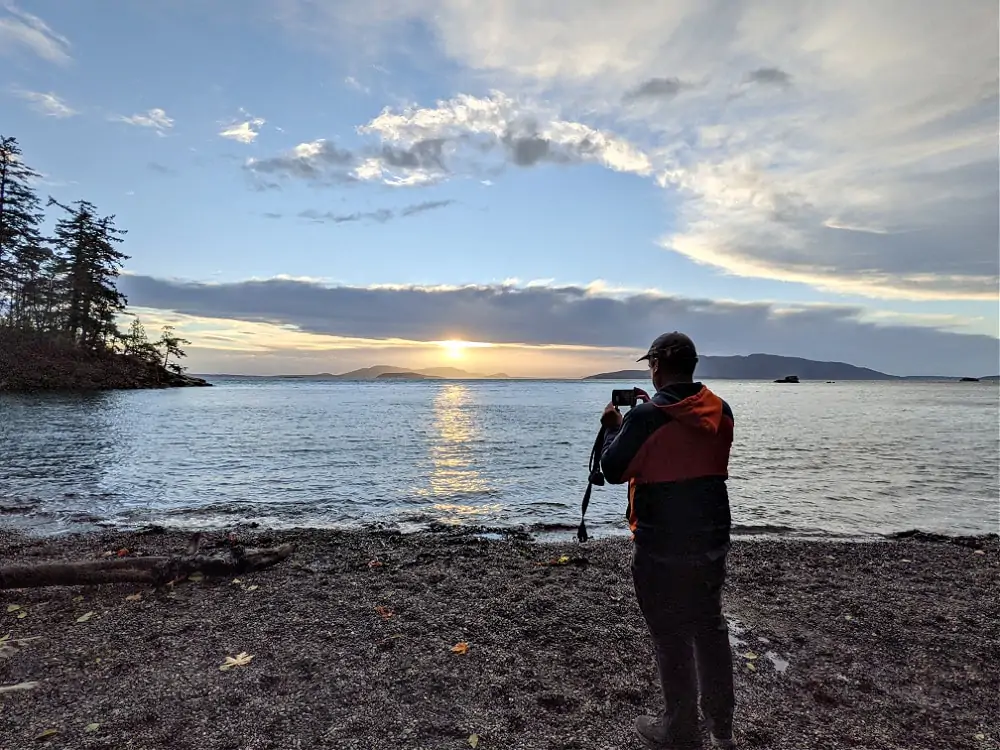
(454, 349)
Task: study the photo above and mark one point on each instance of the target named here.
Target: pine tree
(137, 343)
(88, 264)
(23, 253)
(172, 348)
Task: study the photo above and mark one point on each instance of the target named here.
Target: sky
(315, 186)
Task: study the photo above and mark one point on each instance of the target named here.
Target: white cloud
(47, 103)
(245, 130)
(847, 145)
(354, 83)
(155, 119)
(21, 30)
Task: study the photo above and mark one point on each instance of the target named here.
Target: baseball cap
(674, 345)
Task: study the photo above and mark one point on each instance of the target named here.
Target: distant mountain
(388, 372)
(762, 367)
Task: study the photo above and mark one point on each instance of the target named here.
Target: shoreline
(875, 644)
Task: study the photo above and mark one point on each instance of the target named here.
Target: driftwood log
(233, 560)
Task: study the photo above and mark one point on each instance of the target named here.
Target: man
(673, 450)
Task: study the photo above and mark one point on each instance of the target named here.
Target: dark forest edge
(60, 307)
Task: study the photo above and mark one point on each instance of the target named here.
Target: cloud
(380, 216)
(657, 88)
(156, 119)
(770, 77)
(22, 30)
(160, 168)
(316, 161)
(546, 315)
(355, 84)
(245, 131)
(874, 174)
(467, 134)
(419, 208)
(48, 104)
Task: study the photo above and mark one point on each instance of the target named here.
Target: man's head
(672, 358)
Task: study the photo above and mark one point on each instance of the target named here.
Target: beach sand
(881, 644)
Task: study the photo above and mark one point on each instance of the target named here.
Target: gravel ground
(885, 644)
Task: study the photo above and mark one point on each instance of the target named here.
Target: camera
(624, 397)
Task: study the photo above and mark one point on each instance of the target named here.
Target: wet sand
(892, 644)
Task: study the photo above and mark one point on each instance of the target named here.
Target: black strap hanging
(596, 478)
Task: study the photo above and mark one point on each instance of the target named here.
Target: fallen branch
(234, 560)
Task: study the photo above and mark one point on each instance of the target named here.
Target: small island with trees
(60, 308)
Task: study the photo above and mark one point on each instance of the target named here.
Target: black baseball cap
(674, 345)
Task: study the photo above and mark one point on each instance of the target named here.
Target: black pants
(682, 604)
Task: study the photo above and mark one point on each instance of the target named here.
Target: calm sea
(813, 458)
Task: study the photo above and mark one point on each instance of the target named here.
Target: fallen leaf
(77, 598)
(46, 733)
(240, 660)
(750, 655)
(22, 614)
(848, 617)
(980, 552)
(133, 597)
(384, 612)
(196, 576)
(751, 666)
(980, 736)
(237, 580)
(905, 560)
(92, 727)
(253, 587)
(374, 564)
(460, 648)
(13, 607)
(109, 553)
(84, 618)
(563, 559)
(122, 552)
(18, 687)
(474, 740)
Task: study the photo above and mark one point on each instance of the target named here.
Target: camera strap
(596, 477)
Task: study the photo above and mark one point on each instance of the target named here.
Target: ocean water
(814, 458)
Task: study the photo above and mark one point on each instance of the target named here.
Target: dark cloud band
(571, 315)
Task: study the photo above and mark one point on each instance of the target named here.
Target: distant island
(389, 372)
(774, 368)
(59, 304)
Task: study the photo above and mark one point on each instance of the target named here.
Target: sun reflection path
(453, 476)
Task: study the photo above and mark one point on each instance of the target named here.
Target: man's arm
(623, 444)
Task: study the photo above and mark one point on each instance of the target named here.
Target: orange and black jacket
(674, 453)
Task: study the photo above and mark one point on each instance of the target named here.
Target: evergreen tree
(23, 253)
(137, 343)
(88, 264)
(172, 348)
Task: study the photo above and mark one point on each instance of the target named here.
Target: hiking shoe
(722, 742)
(654, 735)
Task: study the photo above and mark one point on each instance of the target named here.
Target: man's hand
(611, 418)
(641, 395)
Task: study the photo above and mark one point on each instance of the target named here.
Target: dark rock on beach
(883, 644)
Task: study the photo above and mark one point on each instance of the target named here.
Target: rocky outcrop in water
(29, 362)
